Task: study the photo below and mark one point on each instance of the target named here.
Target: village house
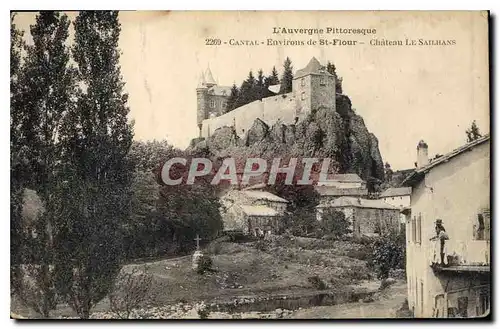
(450, 207)
(253, 211)
(398, 197)
(367, 217)
(339, 185)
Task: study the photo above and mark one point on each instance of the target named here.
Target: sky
(404, 93)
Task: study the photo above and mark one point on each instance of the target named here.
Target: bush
(388, 254)
(317, 282)
(335, 224)
(261, 245)
(204, 264)
(130, 290)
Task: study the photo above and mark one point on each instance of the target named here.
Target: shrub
(335, 224)
(261, 245)
(130, 290)
(388, 254)
(317, 282)
(204, 264)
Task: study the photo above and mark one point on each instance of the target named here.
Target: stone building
(367, 217)
(312, 87)
(454, 189)
(253, 211)
(211, 98)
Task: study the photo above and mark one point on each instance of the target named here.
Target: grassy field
(281, 266)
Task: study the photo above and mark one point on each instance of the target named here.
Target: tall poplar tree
(16, 157)
(97, 138)
(46, 88)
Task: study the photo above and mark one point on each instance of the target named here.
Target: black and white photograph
(229, 165)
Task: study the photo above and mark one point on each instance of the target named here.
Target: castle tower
(209, 79)
(201, 98)
(313, 87)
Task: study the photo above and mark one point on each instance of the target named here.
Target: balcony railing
(458, 253)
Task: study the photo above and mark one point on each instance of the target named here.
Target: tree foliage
(335, 223)
(97, 137)
(473, 132)
(388, 253)
(45, 90)
(287, 77)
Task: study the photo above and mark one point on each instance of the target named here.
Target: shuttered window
(413, 229)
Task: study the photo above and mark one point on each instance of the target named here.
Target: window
(303, 96)
(482, 226)
(212, 103)
(413, 229)
(302, 82)
(419, 229)
(483, 305)
(322, 81)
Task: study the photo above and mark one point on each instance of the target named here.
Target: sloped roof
(258, 186)
(346, 201)
(396, 191)
(262, 195)
(314, 67)
(275, 88)
(220, 90)
(417, 175)
(259, 211)
(209, 79)
(333, 191)
(347, 178)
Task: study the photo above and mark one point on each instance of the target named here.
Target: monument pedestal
(196, 259)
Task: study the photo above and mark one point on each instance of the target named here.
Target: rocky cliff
(340, 135)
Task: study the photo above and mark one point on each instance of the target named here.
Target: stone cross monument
(197, 254)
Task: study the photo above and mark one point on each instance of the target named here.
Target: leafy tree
(17, 159)
(335, 223)
(233, 98)
(473, 132)
(287, 77)
(388, 253)
(330, 68)
(46, 88)
(96, 139)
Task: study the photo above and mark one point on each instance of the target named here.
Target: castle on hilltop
(312, 87)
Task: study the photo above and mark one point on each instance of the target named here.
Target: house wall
(370, 221)
(399, 201)
(365, 221)
(233, 217)
(455, 192)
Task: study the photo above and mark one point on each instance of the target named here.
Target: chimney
(422, 154)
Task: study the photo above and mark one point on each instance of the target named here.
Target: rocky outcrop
(340, 135)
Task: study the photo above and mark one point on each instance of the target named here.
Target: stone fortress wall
(312, 87)
(271, 109)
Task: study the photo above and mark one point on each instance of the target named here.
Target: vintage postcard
(250, 165)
